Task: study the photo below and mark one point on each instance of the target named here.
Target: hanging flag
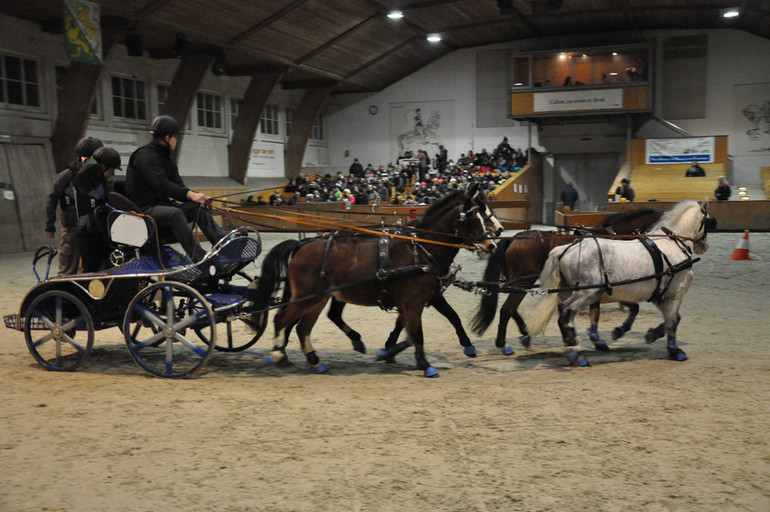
(82, 32)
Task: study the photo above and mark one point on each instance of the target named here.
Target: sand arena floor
(634, 431)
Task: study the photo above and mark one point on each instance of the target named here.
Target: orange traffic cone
(741, 252)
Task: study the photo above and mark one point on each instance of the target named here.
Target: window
(289, 119)
(209, 111)
(235, 105)
(19, 82)
(318, 128)
(162, 99)
(129, 99)
(269, 122)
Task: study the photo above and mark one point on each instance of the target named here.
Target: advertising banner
(681, 150)
(266, 160)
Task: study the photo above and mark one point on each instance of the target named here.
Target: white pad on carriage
(129, 229)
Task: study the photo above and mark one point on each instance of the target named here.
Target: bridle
(483, 216)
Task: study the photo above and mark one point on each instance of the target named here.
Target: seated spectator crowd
(412, 180)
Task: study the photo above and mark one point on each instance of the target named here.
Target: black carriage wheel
(171, 333)
(59, 331)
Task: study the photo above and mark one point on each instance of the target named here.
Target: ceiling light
(613, 74)
(434, 38)
(395, 15)
(731, 13)
(745, 198)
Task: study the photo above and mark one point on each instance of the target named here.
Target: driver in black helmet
(62, 194)
(154, 184)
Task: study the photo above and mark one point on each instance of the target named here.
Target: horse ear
(472, 189)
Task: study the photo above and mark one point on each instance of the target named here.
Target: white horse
(654, 268)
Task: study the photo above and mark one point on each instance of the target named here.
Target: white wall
(734, 57)
(453, 77)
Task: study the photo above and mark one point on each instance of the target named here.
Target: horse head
(690, 220)
(707, 223)
(477, 221)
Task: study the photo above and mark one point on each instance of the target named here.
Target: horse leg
(443, 307)
(412, 317)
(633, 310)
(304, 327)
(671, 318)
(593, 331)
(567, 311)
(335, 315)
(509, 308)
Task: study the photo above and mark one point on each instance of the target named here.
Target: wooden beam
(75, 101)
(302, 126)
(337, 39)
(245, 130)
(181, 94)
(264, 23)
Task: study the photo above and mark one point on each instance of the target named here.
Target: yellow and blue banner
(82, 31)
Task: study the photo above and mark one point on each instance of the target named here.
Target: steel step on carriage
(166, 306)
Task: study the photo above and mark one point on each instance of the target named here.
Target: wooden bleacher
(669, 183)
(766, 181)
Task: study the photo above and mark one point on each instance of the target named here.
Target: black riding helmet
(164, 125)
(108, 157)
(86, 146)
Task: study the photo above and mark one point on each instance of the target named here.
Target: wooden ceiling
(354, 43)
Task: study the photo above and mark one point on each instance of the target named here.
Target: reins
(327, 224)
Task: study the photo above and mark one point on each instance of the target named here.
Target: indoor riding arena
(179, 181)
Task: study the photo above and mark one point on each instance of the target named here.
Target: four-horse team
(637, 257)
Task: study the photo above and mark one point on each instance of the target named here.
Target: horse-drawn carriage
(166, 306)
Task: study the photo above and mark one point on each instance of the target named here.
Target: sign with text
(577, 99)
(680, 150)
(266, 160)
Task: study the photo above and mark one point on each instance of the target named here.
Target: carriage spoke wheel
(170, 329)
(59, 331)
(253, 329)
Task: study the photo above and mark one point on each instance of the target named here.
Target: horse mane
(440, 207)
(674, 214)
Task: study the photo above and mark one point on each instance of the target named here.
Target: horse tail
(274, 266)
(488, 305)
(550, 277)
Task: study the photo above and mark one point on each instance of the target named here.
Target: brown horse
(521, 258)
(355, 269)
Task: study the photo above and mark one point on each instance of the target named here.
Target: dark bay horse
(355, 269)
(521, 258)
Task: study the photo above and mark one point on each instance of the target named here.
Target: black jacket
(152, 176)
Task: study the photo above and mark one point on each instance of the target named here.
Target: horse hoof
(583, 362)
(601, 346)
(470, 351)
(275, 356)
(525, 340)
(431, 372)
(572, 356)
(618, 333)
(650, 336)
(677, 356)
(359, 346)
(507, 350)
(321, 368)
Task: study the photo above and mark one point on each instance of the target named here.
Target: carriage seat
(127, 226)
